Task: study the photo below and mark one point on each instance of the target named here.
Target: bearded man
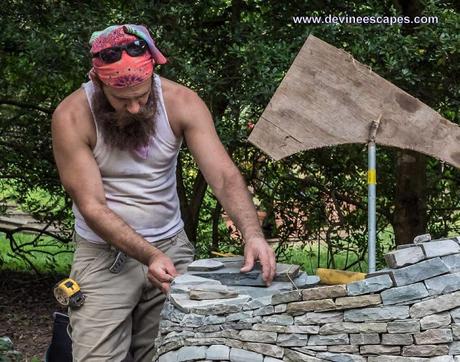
(116, 142)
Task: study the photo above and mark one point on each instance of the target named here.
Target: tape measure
(67, 292)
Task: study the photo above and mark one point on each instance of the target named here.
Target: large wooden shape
(328, 98)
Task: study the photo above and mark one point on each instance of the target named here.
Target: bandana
(128, 71)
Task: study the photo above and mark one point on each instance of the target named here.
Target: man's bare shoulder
(176, 93)
(181, 103)
(74, 113)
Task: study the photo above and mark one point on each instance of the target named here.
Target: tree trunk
(410, 218)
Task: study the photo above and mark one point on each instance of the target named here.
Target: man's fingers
(248, 262)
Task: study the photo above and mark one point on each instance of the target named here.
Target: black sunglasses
(113, 54)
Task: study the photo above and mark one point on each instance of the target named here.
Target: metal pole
(371, 195)
(371, 213)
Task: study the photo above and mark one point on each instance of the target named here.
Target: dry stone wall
(407, 312)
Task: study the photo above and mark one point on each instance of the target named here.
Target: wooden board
(327, 98)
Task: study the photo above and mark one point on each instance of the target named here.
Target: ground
(26, 308)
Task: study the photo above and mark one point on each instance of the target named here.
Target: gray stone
(241, 355)
(191, 353)
(402, 257)
(325, 292)
(269, 309)
(388, 358)
(404, 326)
(218, 352)
(443, 284)
(212, 292)
(425, 350)
(454, 348)
(292, 340)
(358, 301)
(434, 336)
(317, 340)
(342, 357)
(456, 331)
(370, 285)
(258, 303)
(294, 356)
(230, 274)
(269, 328)
(440, 248)
(319, 318)
(205, 265)
(387, 313)
(404, 294)
(265, 349)
(422, 238)
(188, 280)
(279, 319)
(192, 320)
(397, 339)
(286, 297)
(280, 308)
(183, 303)
(302, 329)
(452, 262)
(214, 319)
(257, 336)
(379, 350)
(237, 325)
(350, 327)
(344, 348)
(304, 280)
(364, 338)
(238, 316)
(455, 314)
(435, 321)
(423, 270)
(170, 356)
(211, 328)
(271, 359)
(435, 305)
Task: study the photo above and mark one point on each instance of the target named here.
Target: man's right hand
(161, 271)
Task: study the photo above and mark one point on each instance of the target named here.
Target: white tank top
(141, 191)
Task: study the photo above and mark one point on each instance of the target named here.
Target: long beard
(124, 130)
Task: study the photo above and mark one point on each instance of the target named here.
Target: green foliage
(234, 53)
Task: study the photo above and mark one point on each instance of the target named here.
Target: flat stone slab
(186, 305)
(440, 248)
(417, 272)
(205, 265)
(230, 273)
(212, 292)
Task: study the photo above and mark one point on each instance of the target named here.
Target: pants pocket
(89, 258)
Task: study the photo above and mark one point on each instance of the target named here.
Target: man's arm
(226, 182)
(81, 178)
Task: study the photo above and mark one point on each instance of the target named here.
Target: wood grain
(327, 98)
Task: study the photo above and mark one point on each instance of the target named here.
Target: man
(116, 142)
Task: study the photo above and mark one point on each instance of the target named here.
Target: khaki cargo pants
(121, 311)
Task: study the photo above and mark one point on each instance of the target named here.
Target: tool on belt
(67, 292)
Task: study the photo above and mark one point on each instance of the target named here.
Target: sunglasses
(113, 54)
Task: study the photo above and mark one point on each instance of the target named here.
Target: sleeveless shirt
(141, 191)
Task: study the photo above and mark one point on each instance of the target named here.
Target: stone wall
(408, 312)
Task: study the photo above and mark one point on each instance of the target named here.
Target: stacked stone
(7, 352)
(407, 312)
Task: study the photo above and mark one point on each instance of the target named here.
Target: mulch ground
(26, 308)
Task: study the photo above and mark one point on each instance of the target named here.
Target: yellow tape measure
(67, 292)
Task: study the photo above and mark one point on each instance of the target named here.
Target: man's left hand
(258, 249)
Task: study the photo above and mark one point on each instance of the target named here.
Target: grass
(40, 254)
